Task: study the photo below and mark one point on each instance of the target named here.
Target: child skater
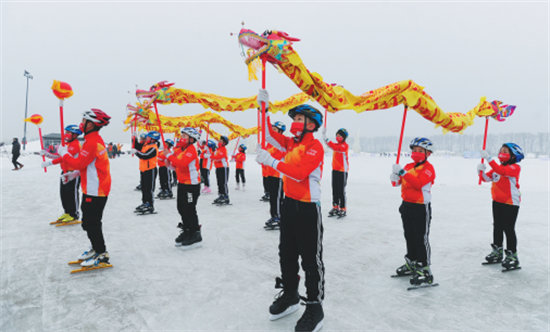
(148, 155)
(340, 168)
(186, 162)
(68, 191)
(92, 165)
(240, 159)
(506, 200)
(165, 176)
(275, 182)
(222, 171)
(416, 181)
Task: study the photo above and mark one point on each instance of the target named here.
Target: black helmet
(224, 139)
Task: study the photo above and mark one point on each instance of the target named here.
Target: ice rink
(228, 284)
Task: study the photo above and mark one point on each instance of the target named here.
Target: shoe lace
(309, 314)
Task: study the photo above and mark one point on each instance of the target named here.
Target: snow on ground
(228, 283)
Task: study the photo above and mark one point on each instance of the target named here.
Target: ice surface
(228, 283)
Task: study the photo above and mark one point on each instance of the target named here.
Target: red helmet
(97, 116)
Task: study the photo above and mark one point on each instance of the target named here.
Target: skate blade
(222, 204)
(401, 275)
(340, 217)
(509, 270)
(55, 222)
(99, 266)
(271, 228)
(139, 213)
(190, 247)
(69, 223)
(288, 311)
(489, 263)
(422, 286)
(75, 262)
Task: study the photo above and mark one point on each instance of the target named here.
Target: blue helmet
(516, 151)
(423, 143)
(169, 142)
(73, 129)
(279, 125)
(242, 146)
(211, 144)
(143, 135)
(308, 111)
(224, 139)
(154, 135)
(343, 132)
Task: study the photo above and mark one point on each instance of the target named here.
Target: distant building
(54, 139)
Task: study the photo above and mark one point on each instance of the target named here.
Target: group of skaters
(292, 170)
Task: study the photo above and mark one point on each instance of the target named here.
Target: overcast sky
(459, 51)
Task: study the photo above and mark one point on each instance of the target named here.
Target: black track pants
(14, 161)
(275, 196)
(504, 222)
(69, 193)
(266, 184)
(239, 174)
(165, 176)
(205, 175)
(416, 225)
(339, 181)
(92, 213)
(188, 194)
(148, 179)
(302, 237)
(222, 175)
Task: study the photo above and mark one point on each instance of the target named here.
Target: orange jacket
(74, 149)
(339, 156)
(206, 162)
(416, 184)
(505, 183)
(186, 163)
(277, 154)
(161, 159)
(240, 158)
(147, 157)
(220, 157)
(302, 168)
(93, 164)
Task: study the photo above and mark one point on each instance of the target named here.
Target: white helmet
(191, 132)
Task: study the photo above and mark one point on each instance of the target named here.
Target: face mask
(503, 157)
(68, 138)
(81, 127)
(297, 128)
(182, 142)
(339, 139)
(418, 156)
(220, 144)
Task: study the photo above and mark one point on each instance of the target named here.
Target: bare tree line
(535, 143)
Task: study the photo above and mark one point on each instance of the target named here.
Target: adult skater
(147, 154)
(240, 159)
(301, 230)
(165, 175)
(222, 171)
(506, 201)
(186, 162)
(275, 181)
(416, 181)
(206, 164)
(340, 168)
(142, 138)
(92, 165)
(69, 191)
(16, 152)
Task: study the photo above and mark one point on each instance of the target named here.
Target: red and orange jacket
(277, 154)
(302, 168)
(339, 156)
(220, 157)
(207, 162)
(505, 183)
(74, 149)
(93, 164)
(161, 159)
(240, 158)
(186, 163)
(416, 184)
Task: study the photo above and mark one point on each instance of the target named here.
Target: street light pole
(27, 75)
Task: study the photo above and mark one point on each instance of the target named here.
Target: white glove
(62, 150)
(69, 176)
(46, 163)
(265, 158)
(398, 170)
(133, 151)
(206, 155)
(135, 134)
(263, 97)
(43, 152)
(167, 154)
(481, 168)
(484, 154)
(324, 131)
(394, 177)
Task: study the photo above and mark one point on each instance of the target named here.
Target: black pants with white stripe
(148, 179)
(165, 177)
(504, 222)
(70, 197)
(339, 181)
(222, 175)
(302, 237)
(266, 184)
(205, 175)
(275, 196)
(188, 195)
(416, 225)
(92, 213)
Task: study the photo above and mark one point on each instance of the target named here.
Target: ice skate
(63, 216)
(138, 187)
(495, 256)
(146, 209)
(206, 190)
(223, 200)
(86, 254)
(69, 220)
(334, 211)
(405, 269)
(422, 277)
(184, 233)
(273, 224)
(265, 197)
(98, 261)
(244, 185)
(312, 319)
(286, 302)
(238, 187)
(511, 262)
(342, 213)
(192, 241)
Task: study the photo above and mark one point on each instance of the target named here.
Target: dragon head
(274, 44)
(153, 90)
